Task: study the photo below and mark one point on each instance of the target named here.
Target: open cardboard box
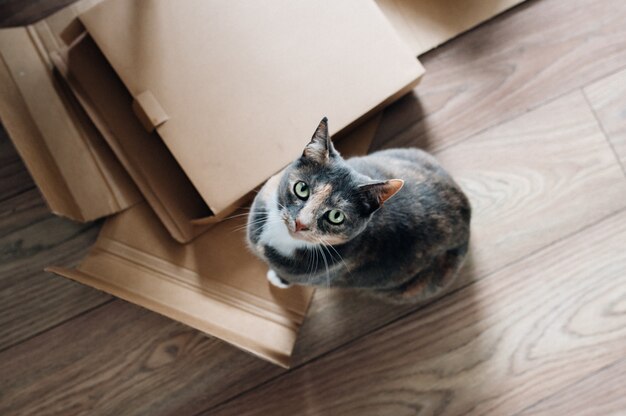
(198, 118)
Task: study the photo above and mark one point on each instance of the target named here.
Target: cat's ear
(377, 193)
(320, 148)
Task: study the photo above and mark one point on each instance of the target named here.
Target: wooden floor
(528, 111)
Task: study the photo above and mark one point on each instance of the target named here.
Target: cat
(393, 223)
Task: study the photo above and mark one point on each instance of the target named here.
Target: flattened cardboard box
(213, 284)
(234, 88)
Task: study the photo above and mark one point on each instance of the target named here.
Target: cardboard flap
(213, 284)
(244, 84)
(76, 172)
(149, 111)
(425, 24)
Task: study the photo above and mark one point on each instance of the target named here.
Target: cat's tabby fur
(404, 230)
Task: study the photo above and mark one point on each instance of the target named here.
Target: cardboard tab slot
(149, 111)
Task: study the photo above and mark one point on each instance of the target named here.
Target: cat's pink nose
(300, 226)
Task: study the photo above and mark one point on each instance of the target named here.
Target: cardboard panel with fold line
(226, 84)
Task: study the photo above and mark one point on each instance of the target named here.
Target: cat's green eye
(301, 190)
(335, 216)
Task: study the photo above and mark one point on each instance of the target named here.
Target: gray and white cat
(326, 221)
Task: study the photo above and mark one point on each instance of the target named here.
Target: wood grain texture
(30, 239)
(600, 393)
(493, 348)
(608, 99)
(14, 177)
(20, 13)
(121, 359)
(524, 58)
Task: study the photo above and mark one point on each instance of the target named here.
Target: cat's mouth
(302, 235)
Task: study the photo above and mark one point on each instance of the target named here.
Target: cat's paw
(276, 281)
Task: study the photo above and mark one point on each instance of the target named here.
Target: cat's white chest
(276, 235)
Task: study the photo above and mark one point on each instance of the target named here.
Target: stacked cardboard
(170, 114)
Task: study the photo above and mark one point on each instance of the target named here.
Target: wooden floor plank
(608, 99)
(30, 239)
(530, 55)
(121, 359)
(601, 393)
(492, 348)
(14, 177)
(522, 177)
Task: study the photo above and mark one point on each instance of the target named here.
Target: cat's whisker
(314, 271)
(256, 222)
(236, 216)
(310, 267)
(325, 263)
(340, 257)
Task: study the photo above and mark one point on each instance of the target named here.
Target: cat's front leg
(275, 280)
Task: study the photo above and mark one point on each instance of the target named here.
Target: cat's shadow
(363, 330)
(402, 125)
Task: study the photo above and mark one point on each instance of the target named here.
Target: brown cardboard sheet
(77, 173)
(213, 284)
(236, 88)
(157, 174)
(426, 24)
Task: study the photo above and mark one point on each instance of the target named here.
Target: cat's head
(323, 200)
